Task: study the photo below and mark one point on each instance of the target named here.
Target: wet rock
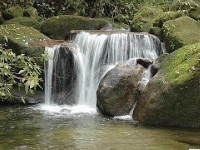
(172, 95)
(145, 62)
(117, 91)
(157, 63)
(64, 76)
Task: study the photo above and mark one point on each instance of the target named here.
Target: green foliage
(17, 71)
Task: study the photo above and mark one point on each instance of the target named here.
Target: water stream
(30, 128)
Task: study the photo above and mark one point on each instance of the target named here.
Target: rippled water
(34, 128)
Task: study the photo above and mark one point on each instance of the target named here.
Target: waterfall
(97, 53)
(77, 68)
(48, 66)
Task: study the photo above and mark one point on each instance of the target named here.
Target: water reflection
(27, 128)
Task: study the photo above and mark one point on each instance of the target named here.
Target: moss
(183, 5)
(26, 21)
(57, 27)
(21, 39)
(144, 18)
(165, 16)
(13, 12)
(179, 32)
(183, 64)
(31, 12)
(195, 13)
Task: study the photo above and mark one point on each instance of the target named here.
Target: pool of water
(33, 128)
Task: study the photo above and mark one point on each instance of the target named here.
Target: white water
(96, 54)
(48, 66)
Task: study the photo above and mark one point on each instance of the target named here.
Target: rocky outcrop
(117, 91)
(180, 32)
(59, 27)
(172, 96)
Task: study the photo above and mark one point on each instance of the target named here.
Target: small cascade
(48, 66)
(96, 53)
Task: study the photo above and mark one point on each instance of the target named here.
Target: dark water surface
(27, 128)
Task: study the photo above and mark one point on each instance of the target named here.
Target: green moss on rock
(13, 12)
(26, 21)
(23, 39)
(31, 12)
(59, 26)
(165, 16)
(172, 97)
(195, 13)
(144, 18)
(180, 32)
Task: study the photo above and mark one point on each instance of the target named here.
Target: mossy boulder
(59, 27)
(26, 21)
(23, 39)
(31, 12)
(121, 19)
(195, 13)
(144, 19)
(179, 32)
(172, 97)
(165, 16)
(183, 5)
(13, 12)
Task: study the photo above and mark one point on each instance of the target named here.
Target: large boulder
(59, 27)
(117, 91)
(180, 32)
(172, 96)
(25, 21)
(144, 18)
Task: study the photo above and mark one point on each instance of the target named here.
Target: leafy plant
(17, 71)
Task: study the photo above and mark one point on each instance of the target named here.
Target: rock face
(64, 76)
(172, 96)
(59, 27)
(117, 91)
(180, 32)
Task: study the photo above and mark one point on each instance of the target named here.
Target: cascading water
(48, 66)
(88, 61)
(96, 53)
